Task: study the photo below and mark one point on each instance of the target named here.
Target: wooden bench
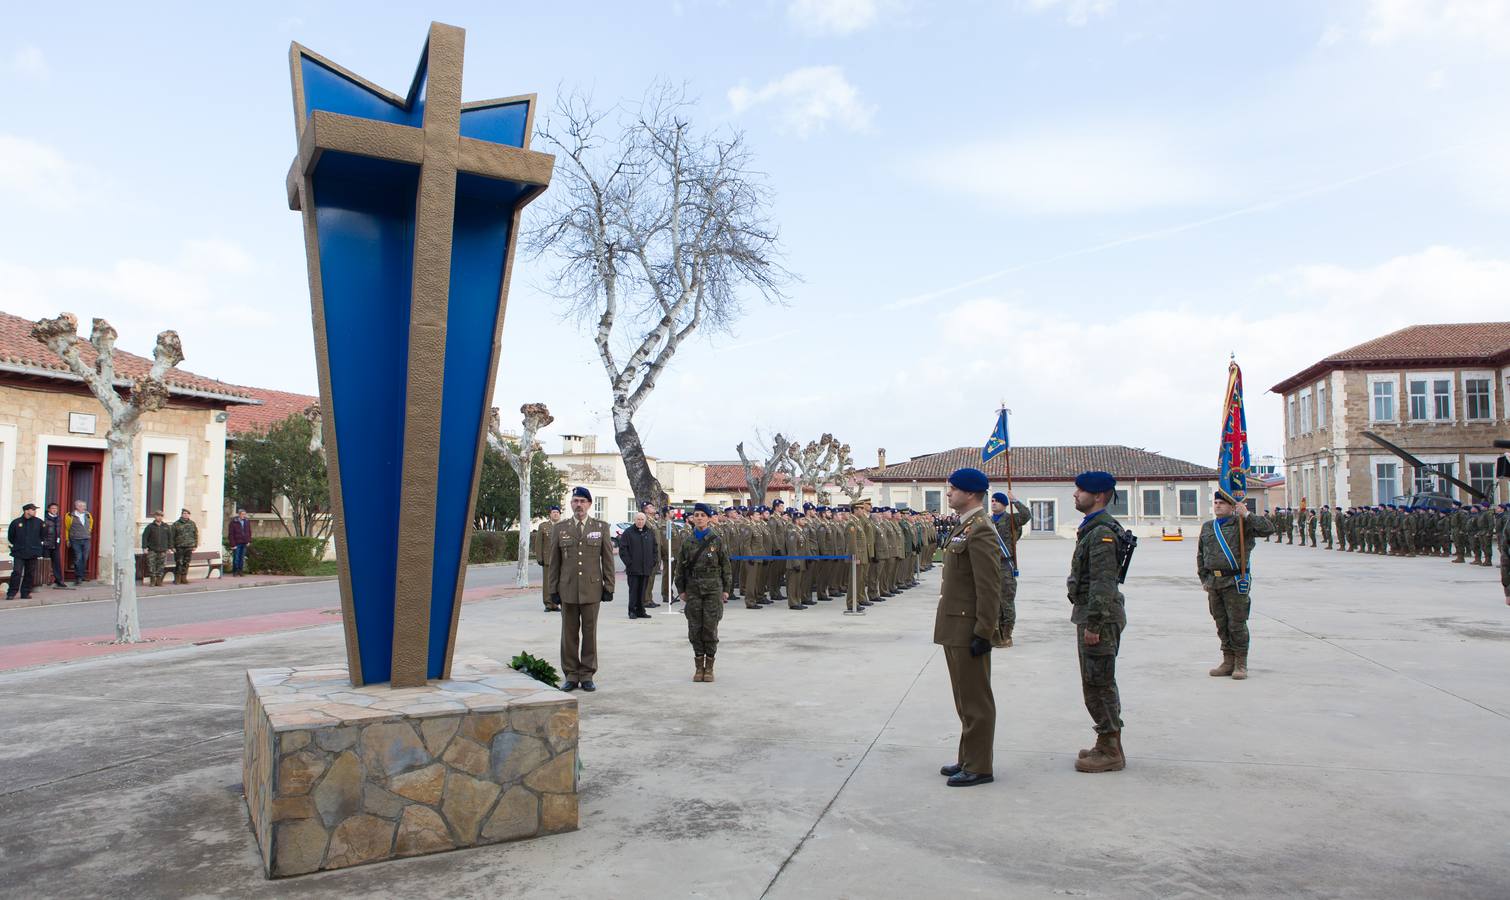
(43, 576)
(210, 559)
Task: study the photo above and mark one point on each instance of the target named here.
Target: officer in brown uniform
(968, 612)
(581, 577)
(544, 547)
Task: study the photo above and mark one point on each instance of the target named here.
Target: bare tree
(847, 478)
(536, 417)
(658, 230)
(147, 393)
(816, 464)
(758, 477)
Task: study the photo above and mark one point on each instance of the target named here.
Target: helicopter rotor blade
(1428, 467)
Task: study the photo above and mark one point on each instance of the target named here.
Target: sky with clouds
(1078, 207)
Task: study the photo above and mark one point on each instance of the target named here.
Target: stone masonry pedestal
(337, 775)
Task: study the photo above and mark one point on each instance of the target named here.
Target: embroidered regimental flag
(997, 443)
(1232, 459)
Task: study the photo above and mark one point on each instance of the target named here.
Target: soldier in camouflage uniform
(1502, 537)
(1326, 525)
(1099, 615)
(1224, 572)
(1491, 533)
(185, 539)
(703, 582)
(157, 540)
(1009, 529)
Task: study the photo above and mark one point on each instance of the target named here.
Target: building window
(1189, 503)
(1118, 505)
(1477, 396)
(1383, 408)
(1294, 430)
(1417, 400)
(1481, 476)
(597, 507)
(1320, 405)
(933, 501)
(1043, 514)
(1153, 501)
(1386, 482)
(1429, 480)
(157, 482)
(1441, 399)
(633, 505)
(1306, 415)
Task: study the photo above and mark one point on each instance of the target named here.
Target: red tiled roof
(276, 406)
(19, 349)
(1047, 464)
(1459, 343)
(732, 478)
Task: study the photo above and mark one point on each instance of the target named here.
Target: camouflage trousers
(155, 562)
(181, 557)
(703, 609)
(1505, 575)
(1008, 599)
(1230, 611)
(1098, 677)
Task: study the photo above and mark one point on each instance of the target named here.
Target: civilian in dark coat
(25, 536)
(52, 544)
(637, 550)
(239, 536)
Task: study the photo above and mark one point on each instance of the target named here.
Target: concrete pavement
(1363, 758)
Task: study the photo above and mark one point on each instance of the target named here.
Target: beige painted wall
(35, 418)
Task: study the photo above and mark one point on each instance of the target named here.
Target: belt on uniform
(1226, 573)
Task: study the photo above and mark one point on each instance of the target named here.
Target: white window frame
(1373, 476)
(1179, 506)
(1392, 379)
(1466, 475)
(1307, 411)
(1143, 502)
(1292, 421)
(1430, 378)
(1033, 520)
(1463, 378)
(1505, 392)
(1437, 460)
(1129, 510)
(9, 435)
(175, 473)
(1321, 410)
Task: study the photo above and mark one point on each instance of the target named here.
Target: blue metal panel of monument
(503, 123)
(479, 244)
(365, 210)
(333, 92)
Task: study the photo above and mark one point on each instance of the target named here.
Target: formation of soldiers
(770, 550)
(1467, 534)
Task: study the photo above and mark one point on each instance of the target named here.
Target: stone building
(604, 474)
(52, 441)
(1438, 391)
(1154, 492)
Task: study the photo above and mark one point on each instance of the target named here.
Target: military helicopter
(1434, 499)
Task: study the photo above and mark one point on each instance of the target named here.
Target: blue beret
(1095, 482)
(972, 481)
(778, 502)
(823, 509)
(703, 508)
(582, 492)
(554, 509)
(807, 506)
(999, 497)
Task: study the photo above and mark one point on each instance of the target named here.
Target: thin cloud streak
(1172, 230)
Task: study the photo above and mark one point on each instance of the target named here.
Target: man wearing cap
(969, 611)
(25, 536)
(703, 581)
(1097, 610)
(157, 540)
(1223, 557)
(1009, 527)
(581, 577)
(545, 546)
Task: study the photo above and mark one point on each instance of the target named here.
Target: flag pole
(1242, 543)
(1011, 529)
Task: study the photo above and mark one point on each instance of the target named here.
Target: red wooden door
(77, 473)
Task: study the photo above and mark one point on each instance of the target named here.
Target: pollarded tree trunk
(536, 417)
(646, 486)
(148, 393)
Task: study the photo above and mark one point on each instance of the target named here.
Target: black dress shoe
(765, 601)
(879, 599)
(589, 687)
(951, 771)
(568, 685)
(825, 598)
(969, 779)
(651, 605)
(643, 615)
(809, 602)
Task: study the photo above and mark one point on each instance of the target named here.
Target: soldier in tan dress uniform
(968, 615)
(581, 578)
(544, 547)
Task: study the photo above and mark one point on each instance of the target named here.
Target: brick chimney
(881, 458)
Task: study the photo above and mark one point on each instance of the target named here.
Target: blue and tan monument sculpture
(411, 210)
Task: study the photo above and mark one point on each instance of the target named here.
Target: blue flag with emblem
(997, 443)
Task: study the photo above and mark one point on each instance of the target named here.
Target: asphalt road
(96, 618)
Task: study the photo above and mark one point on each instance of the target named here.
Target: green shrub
(536, 668)
(493, 547)
(284, 555)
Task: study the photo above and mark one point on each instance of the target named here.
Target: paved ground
(1365, 758)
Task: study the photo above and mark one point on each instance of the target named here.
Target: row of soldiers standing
(1468, 530)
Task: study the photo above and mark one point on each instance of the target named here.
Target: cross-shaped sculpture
(411, 209)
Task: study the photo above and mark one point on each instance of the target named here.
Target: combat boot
(1100, 743)
(1240, 667)
(1225, 668)
(702, 664)
(708, 669)
(1106, 756)
(1007, 637)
